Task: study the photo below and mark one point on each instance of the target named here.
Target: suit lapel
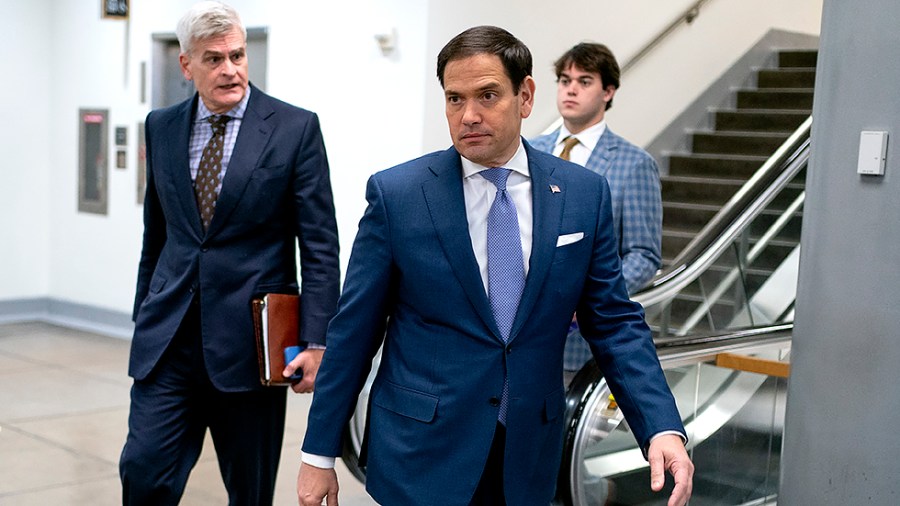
(447, 208)
(178, 163)
(548, 206)
(601, 158)
(251, 141)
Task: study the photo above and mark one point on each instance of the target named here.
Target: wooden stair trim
(753, 364)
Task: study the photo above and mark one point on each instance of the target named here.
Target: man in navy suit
(468, 402)
(235, 179)
(587, 79)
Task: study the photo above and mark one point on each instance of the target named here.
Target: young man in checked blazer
(587, 79)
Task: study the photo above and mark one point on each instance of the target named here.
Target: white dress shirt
(480, 194)
(201, 132)
(587, 141)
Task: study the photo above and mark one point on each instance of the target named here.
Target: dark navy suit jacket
(276, 194)
(413, 282)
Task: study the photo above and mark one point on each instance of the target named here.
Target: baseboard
(67, 314)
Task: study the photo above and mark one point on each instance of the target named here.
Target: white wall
(654, 92)
(376, 110)
(24, 150)
(92, 257)
(320, 58)
(548, 30)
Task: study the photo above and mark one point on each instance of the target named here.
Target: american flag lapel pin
(554, 188)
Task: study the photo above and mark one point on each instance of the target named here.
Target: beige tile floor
(63, 412)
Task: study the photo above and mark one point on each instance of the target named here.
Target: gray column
(842, 428)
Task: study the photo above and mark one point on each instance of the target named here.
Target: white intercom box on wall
(872, 153)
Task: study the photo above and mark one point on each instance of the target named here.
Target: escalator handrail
(673, 352)
(731, 220)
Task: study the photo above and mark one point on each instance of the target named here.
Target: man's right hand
(315, 484)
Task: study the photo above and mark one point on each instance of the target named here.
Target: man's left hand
(667, 453)
(308, 361)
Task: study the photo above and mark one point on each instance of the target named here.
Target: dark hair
(592, 57)
(512, 52)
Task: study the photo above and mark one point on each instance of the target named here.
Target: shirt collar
(236, 112)
(518, 163)
(589, 137)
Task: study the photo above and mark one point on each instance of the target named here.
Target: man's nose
(228, 68)
(471, 113)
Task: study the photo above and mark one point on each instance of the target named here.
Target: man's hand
(308, 361)
(667, 453)
(315, 484)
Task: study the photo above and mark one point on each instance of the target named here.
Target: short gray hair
(205, 20)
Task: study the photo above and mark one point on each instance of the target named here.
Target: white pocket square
(569, 238)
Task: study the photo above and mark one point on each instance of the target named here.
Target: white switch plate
(872, 153)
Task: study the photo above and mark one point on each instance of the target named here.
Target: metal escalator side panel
(598, 444)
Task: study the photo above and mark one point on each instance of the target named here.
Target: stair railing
(734, 274)
(721, 231)
(685, 18)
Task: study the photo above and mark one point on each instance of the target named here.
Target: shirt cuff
(668, 432)
(315, 346)
(319, 461)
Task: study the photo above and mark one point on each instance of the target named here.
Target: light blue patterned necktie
(506, 267)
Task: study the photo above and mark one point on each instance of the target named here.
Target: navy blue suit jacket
(276, 191)
(413, 282)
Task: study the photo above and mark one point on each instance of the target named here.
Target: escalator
(709, 302)
(733, 419)
(730, 291)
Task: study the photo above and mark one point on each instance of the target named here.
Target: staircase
(722, 159)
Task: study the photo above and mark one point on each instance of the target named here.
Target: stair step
(798, 58)
(775, 98)
(709, 165)
(699, 190)
(699, 183)
(721, 312)
(740, 143)
(673, 244)
(691, 217)
(759, 120)
(786, 78)
(791, 230)
(683, 221)
(674, 241)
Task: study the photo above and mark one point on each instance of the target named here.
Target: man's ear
(526, 96)
(184, 60)
(608, 94)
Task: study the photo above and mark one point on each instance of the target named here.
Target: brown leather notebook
(276, 321)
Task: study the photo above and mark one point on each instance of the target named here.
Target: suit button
(494, 402)
(508, 350)
(204, 249)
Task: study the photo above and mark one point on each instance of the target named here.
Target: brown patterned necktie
(208, 174)
(568, 143)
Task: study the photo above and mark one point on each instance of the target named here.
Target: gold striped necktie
(568, 143)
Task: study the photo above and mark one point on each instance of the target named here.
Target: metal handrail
(734, 273)
(588, 388)
(731, 220)
(686, 17)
